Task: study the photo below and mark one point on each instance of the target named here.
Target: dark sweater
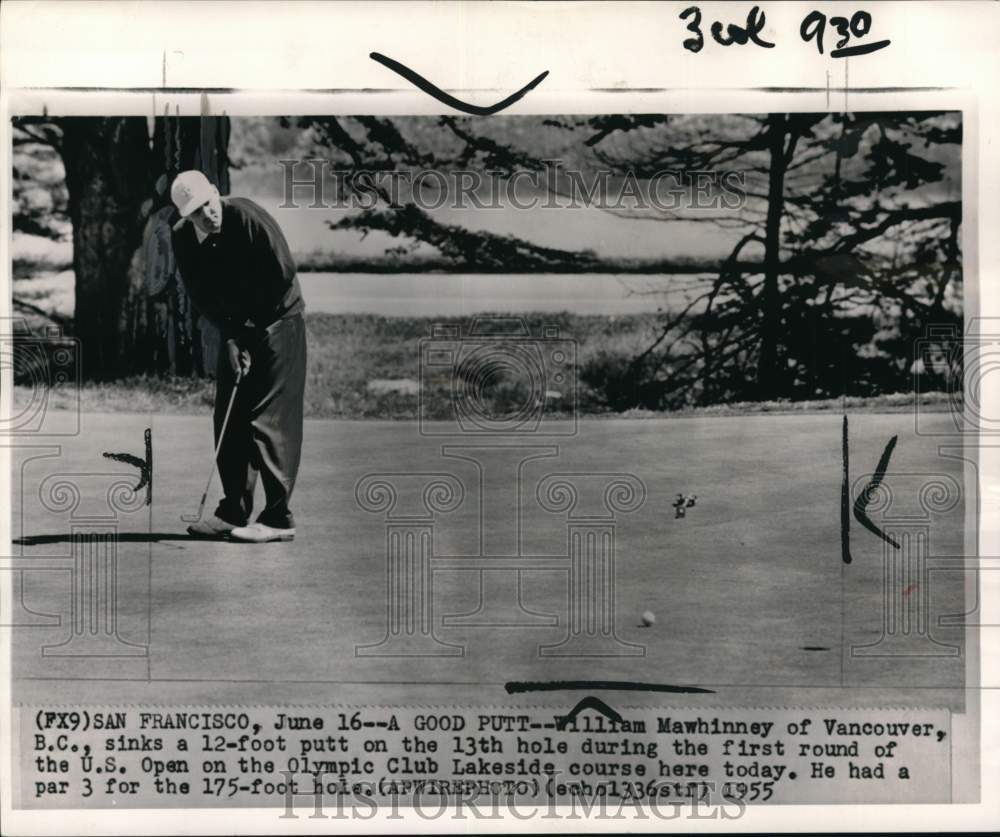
(242, 279)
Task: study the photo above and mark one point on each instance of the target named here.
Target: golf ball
(648, 618)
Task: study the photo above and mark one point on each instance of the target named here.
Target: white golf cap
(189, 191)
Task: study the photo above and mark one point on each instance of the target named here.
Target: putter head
(194, 518)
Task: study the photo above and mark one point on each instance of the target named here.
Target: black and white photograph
(583, 461)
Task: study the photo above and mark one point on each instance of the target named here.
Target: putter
(187, 518)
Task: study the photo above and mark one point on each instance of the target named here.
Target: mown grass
(349, 351)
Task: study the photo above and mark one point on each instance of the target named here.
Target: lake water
(445, 295)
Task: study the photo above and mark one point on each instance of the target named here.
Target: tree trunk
(132, 312)
(769, 371)
(107, 161)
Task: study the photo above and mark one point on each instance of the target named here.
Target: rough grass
(348, 352)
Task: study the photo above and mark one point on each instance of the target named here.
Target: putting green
(750, 594)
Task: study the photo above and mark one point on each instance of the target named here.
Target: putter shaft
(218, 447)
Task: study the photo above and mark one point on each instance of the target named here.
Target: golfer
(236, 266)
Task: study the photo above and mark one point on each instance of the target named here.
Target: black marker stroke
(845, 502)
(433, 90)
(860, 49)
(865, 497)
(515, 687)
(145, 465)
(588, 703)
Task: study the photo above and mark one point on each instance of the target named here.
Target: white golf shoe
(210, 526)
(261, 533)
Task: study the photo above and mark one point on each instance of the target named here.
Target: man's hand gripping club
(239, 359)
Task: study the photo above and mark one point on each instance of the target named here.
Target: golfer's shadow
(120, 537)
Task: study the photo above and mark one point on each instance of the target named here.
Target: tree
(857, 231)
(367, 144)
(108, 177)
(845, 248)
(132, 314)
